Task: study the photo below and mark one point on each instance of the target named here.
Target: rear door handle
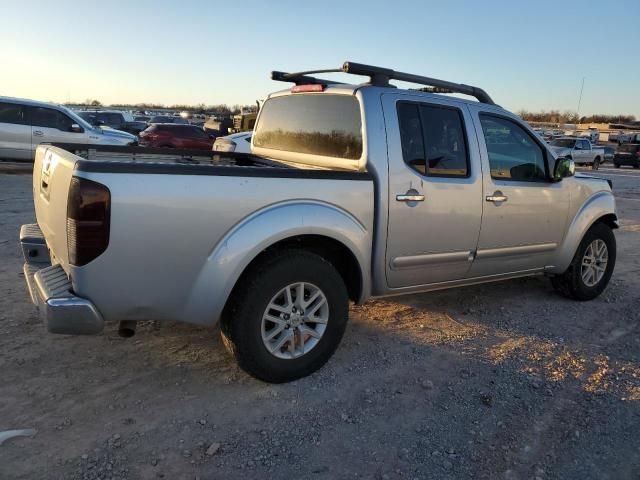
(38, 133)
(410, 198)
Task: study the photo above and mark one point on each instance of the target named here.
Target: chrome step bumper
(51, 290)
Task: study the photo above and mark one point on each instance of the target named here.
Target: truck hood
(561, 151)
(110, 132)
(583, 177)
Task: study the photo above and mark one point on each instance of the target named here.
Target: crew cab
(382, 191)
(580, 150)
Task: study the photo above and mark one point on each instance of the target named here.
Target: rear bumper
(51, 290)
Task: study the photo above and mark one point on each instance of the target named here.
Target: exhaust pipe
(127, 328)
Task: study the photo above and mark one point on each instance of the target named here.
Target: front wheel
(287, 318)
(591, 267)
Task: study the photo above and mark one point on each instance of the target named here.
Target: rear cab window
(318, 125)
(433, 139)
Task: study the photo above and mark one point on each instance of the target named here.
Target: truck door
(51, 126)
(435, 190)
(525, 213)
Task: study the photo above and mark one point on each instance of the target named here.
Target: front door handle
(410, 198)
(38, 133)
(497, 197)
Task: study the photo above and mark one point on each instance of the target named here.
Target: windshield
(564, 143)
(78, 119)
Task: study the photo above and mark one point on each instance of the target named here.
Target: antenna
(580, 99)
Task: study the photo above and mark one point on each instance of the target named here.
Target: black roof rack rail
(380, 77)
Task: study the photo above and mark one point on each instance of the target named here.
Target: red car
(169, 135)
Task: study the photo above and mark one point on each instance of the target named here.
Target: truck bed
(182, 223)
(115, 159)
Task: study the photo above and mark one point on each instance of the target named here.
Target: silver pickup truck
(580, 150)
(350, 191)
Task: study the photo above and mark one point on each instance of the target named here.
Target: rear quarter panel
(179, 242)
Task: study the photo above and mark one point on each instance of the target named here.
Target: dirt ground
(507, 380)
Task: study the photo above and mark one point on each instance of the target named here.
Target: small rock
(427, 385)
(202, 422)
(213, 449)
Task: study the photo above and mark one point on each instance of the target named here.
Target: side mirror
(565, 167)
(76, 128)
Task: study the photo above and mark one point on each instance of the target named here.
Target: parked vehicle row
(113, 119)
(24, 124)
(382, 191)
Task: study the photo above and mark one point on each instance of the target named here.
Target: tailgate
(52, 174)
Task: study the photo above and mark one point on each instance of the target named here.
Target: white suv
(24, 124)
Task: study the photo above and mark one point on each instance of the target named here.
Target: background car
(168, 119)
(627, 154)
(237, 142)
(170, 135)
(24, 124)
(115, 119)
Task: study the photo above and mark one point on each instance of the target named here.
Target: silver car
(24, 124)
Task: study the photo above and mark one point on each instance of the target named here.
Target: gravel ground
(507, 380)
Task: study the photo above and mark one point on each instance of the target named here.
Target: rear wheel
(288, 317)
(596, 163)
(616, 165)
(592, 265)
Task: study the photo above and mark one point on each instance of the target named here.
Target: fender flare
(597, 206)
(247, 239)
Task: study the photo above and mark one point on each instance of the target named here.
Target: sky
(526, 55)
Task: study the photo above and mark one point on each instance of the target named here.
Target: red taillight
(88, 220)
(315, 87)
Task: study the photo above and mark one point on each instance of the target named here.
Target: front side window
(49, 118)
(316, 124)
(513, 154)
(433, 140)
(11, 113)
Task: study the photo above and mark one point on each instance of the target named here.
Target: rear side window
(316, 124)
(49, 118)
(513, 153)
(12, 113)
(433, 140)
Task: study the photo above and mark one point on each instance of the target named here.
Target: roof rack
(380, 77)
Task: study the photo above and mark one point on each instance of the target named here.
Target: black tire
(242, 320)
(616, 165)
(570, 283)
(636, 165)
(596, 163)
